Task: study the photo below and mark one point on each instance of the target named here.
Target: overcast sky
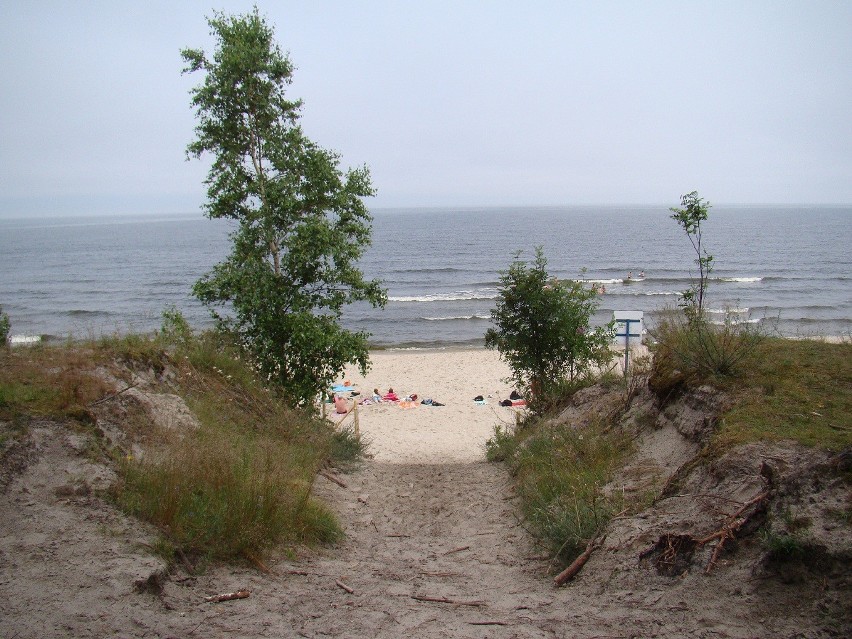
(457, 103)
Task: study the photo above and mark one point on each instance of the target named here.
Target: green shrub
(782, 545)
(542, 331)
(175, 329)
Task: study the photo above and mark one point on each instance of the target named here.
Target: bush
(175, 329)
(542, 331)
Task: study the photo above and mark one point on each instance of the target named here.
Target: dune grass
(236, 486)
(561, 474)
(797, 390)
(782, 389)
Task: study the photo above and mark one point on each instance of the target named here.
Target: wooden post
(357, 426)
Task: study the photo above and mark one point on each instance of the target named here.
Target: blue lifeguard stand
(629, 328)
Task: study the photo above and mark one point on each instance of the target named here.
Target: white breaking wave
(740, 279)
(457, 317)
(735, 322)
(729, 311)
(457, 296)
(612, 281)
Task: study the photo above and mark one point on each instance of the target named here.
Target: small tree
(302, 224)
(688, 349)
(690, 217)
(542, 327)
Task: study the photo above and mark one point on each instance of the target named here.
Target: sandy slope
(433, 548)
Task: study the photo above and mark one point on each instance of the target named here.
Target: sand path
(433, 547)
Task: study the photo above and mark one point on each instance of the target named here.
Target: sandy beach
(423, 434)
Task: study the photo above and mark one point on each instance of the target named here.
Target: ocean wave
(658, 293)
(458, 296)
(457, 318)
(746, 280)
(728, 311)
(78, 312)
(735, 322)
(440, 269)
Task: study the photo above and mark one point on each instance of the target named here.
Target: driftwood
(332, 478)
(340, 584)
(447, 601)
(487, 623)
(571, 571)
(229, 596)
(454, 550)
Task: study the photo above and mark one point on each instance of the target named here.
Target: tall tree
(302, 224)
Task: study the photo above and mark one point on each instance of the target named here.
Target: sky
(461, 103)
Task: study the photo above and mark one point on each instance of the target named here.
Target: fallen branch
(303, 573)
(571, 571)
(240, 594)
(114, 395)
(186, 564)
(447, 601)
(454, 550)
(340, 584)
(257, 562)
(332, 478)
(487, 623)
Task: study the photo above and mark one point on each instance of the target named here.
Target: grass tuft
(561, 473)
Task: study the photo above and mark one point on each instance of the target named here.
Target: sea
(787, 269)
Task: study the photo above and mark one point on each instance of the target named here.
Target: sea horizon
(784, 267)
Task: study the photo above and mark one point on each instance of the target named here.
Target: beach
(422, 434)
